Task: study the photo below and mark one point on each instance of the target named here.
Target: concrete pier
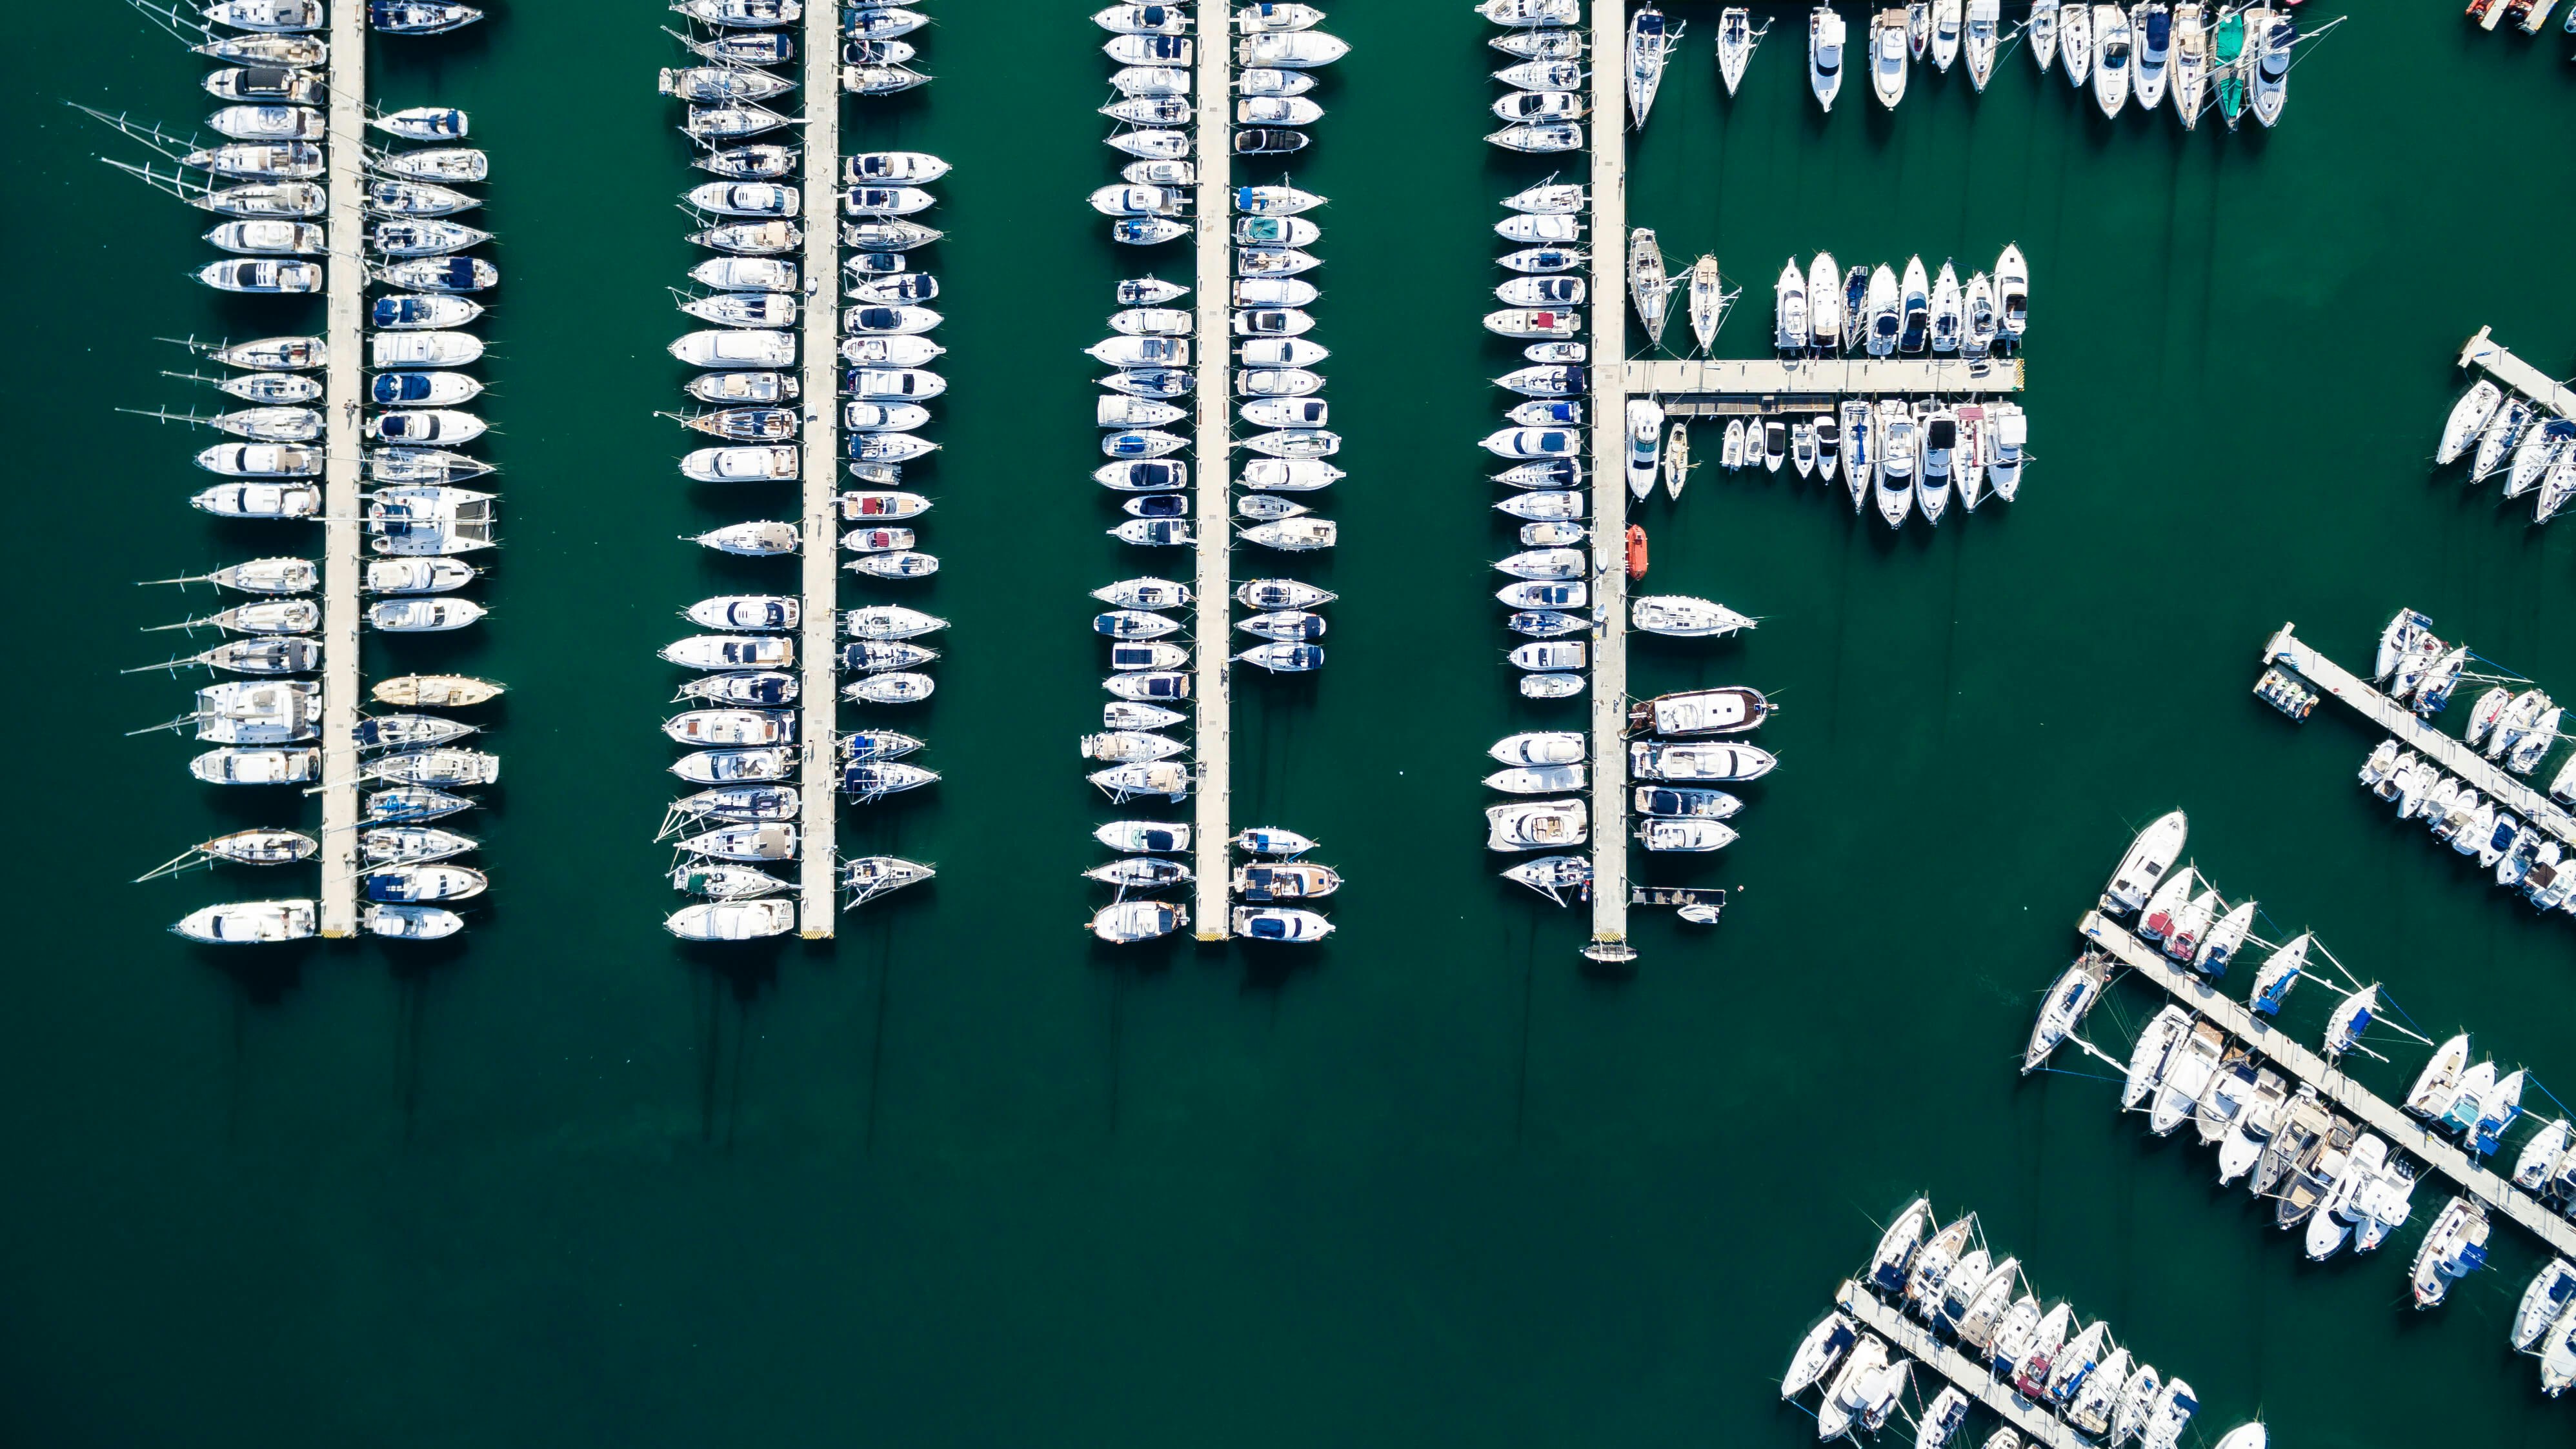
(343, 388)
(1609, 688)
(2482, 351)
(2412, 1135)
(820, 561)
(2037, 1426)
(1732, 386)
(1212, 521)
(2417, 734)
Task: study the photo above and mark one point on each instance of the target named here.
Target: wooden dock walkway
(1974, 1379)
(1609, 688)
(2418, 734)
(1213, 446)
(2483, 351)
(1740, 386)
(819, 651)
(343, 544)
(2348, 1096)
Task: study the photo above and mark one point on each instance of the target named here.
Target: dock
(1973, 1378)
(1610, 368)
(1736, 387)
(819, 473)
(2454, 755)
(2348, 1096)
(343, 386)
(2482, 351)
(1212, 522)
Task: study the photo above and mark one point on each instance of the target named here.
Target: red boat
(1636, 552)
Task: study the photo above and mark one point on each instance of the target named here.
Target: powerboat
(1887, 57)
(1825, 54)
(2112, 47)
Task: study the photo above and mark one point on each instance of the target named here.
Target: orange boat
(1636, 552)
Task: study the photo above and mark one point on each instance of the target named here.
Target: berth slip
(375, 398)
(795, 390)
(1200, 86)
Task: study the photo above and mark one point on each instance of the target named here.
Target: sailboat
(2277, 34)
(1984, 20)
(2190, 61)
(1709, 301)
(1736, 38)
(1648, 285)
(2042, 27)
(1650, 44)
(2075, 41)
(2227, 66)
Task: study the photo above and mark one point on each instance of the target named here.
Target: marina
(2309, 1069)
(1457, 1182)
(2285, 648)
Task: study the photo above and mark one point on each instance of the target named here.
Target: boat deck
(343, 546)
(1973, 1378)
(820, 471)
(2484, 352)
(1213, 445)
(1610, 386)
(1759, 386)
(2452, 754)
(2348, 1096)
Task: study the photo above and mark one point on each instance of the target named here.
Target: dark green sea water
(959, 1178)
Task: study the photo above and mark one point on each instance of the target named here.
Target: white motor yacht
(2075, 41)
(1826, 54)
(1887, 57)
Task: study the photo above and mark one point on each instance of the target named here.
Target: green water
(960, 1178)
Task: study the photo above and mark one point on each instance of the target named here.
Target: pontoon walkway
(2483, 351)
(343, 385)
(1736, 386)
(1214, 444)
(1609, 487)
(820, 558)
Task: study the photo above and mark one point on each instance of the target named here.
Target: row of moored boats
(2234, 59)
(1147, 410)
(1950, 1282)
(738, 836)
(2325, 1173)
(2495, 430)
(266, 181)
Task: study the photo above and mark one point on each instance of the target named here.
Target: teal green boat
(2228, 63)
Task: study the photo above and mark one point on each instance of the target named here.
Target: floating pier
(2454, 755)
(2416, 1137)
(343, 386)
(1699, 388)
(2484, 352)
(818, 731)
(1213, 445)
(1610, 378)
(1973, 1378)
